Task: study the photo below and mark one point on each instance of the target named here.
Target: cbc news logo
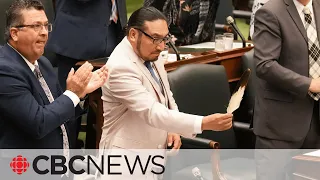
(19, 164)
(57, 164)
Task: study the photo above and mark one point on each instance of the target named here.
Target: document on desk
(167, 57)
(313, 153)
(173, 57)
(211, 45)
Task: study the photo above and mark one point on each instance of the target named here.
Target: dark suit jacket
(27, 119)
(283, 108)
(80, 27)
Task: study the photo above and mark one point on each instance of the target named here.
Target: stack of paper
(211, 45)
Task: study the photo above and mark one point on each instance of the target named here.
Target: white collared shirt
(74, 98)
(300, 8)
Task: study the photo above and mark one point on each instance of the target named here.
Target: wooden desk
(306, 167)
(231, 60)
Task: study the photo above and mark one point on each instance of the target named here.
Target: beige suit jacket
(136, 113)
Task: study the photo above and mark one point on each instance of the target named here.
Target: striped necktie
(46, 89)
(114, 12)
(149, 67)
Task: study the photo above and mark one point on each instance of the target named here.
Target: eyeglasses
(156, 41)
(37, 27)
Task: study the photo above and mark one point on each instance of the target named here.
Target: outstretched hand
(98, 78)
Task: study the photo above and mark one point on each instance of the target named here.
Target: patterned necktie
(46, 89)
(149, 66)
(313, 47)
(114, 12)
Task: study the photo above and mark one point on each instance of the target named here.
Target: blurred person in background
(190, 21)
(257, 4)
(84, 30)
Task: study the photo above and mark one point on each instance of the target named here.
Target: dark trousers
(276, 164)
(65, 64)
(114, 36)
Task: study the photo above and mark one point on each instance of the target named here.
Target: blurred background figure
(84, 30)
(190, 21)
(257, 4)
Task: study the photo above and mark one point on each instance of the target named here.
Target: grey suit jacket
(283, 108)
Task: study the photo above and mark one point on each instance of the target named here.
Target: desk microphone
(230, 21)
(197, 174)
(171, 44)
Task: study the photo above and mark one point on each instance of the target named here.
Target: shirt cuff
(198, 124)
(74, 98)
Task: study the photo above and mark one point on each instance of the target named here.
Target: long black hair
(140, 16)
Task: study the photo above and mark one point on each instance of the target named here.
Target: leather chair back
(203, 89)
(200, 89)
(248, 62)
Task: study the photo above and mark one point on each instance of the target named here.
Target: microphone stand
(171, 44)
(230, 21)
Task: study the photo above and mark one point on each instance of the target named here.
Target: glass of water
(219, 41)
(228, 41)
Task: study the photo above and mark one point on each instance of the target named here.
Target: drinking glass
(219, 41)
(228, 41)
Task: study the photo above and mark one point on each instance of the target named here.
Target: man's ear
(14, 34)
(133, 35)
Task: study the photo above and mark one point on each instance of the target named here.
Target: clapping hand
(98, 78)
(79, 80)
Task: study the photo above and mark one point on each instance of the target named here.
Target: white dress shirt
(74, 98)
(259, 3)
(300, 7)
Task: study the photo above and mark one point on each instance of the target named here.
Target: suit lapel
(292, 10)
(132, 55)
(146, 72)
(316, 12)
(35, 83)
